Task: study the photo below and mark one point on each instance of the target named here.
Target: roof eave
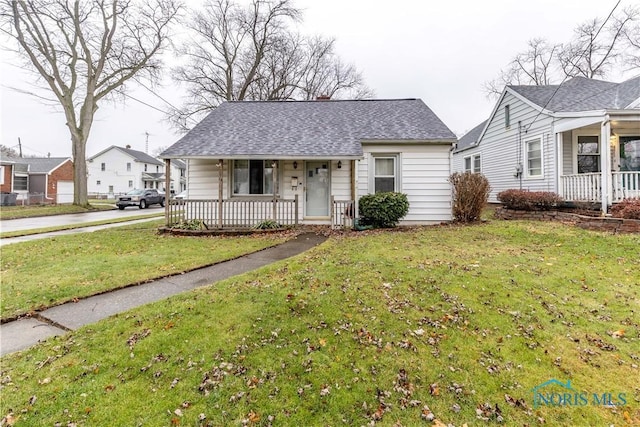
(263, 156)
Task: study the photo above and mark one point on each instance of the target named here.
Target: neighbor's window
(145, 167)
(473, 164)
(630, 153)
(111, 189)
(130, 184)
(252, 177)
(533, 152)
(1, 174)
(384, 175)
(157, 168)
(507, 116)
(128, 167)
(20, 183)
(588, 154)
(98, 182)
(103, 167)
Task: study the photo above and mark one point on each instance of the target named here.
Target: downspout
(605, 164)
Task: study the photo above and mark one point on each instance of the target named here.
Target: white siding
(115, 173)
(502, 149)
(424, 171)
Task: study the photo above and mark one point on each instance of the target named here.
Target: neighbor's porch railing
(342, 213)
(587, 187)
(234, 213)
(626, 185)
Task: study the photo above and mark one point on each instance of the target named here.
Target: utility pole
(19, 147)
(146, 145)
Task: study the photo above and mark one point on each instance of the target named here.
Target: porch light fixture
(295, 164)
(339, 164)
(219, 164)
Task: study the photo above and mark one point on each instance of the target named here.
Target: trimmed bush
(383, 210)
(627, 209)
(529, 200)
(470, 195)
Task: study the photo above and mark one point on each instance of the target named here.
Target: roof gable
(139, 156)
(582, 94)
(308, 128)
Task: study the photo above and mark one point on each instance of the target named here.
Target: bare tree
(593, 52)
(8, 151)
(84, 52)
(598, 45)
(533, 66)
(239, 53)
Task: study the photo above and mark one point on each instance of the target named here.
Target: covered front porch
(243, 193)
(599, 158)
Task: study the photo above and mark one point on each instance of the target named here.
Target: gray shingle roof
(38, 165)
(470, 138)
(582, 94)
(308, 128)
(139, 156)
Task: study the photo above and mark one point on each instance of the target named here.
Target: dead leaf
(253, 417)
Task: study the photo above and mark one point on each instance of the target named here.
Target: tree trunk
(79, 145)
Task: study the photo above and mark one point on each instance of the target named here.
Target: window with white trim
(473, 164)
(130, 184)
(1, 174)
(128, 167)
(533, 157)
(98, 182)
(507, 116)
(21, 183)
(385, 171)
(103, 167)
(252, 177)
(588, 154)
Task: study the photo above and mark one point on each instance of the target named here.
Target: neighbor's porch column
(559, 163)
(605, 164)
(167, 191)
(220, 166)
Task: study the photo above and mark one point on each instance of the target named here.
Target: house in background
(117, 170)
(39, 179)
(178, 176)
(580, 139)
(309, 161)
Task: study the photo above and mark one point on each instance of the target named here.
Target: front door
(317, 193)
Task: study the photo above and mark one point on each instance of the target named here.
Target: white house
(309, 161)
(117, 170)
(580, 139)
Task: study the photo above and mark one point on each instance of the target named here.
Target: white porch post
(605, 164)
(559, 163)
(167, 191)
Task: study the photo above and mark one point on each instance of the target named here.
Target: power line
(574, 66)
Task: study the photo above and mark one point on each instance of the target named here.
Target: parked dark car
(141, 198)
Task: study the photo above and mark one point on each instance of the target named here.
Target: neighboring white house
(316, 158)
(551, 138)
(117, 170)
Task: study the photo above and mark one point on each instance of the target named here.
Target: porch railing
(342, 213)
(587, 187)
(582, 187)
(626, 185)
(234, 213)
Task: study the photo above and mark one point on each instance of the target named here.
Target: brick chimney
(323, 98)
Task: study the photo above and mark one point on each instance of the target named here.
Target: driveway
(73, 219)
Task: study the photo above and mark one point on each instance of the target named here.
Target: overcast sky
(439, 51)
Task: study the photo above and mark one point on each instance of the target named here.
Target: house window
(252, 177)
(128, 167)
(588, 154)
(103, 167)
(145, 167)
(111, 189)
(20, 183)
(507, 116)
(130, 184)
(630, 153)
(384, 175)
(98, 182)
(157, 169)
(1, 174)
(533, 153)
(473, 164)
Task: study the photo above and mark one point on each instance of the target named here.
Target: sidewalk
(24, 333)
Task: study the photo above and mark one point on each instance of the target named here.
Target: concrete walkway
(24, 333)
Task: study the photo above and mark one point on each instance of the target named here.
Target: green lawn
(47, 272)
(15, 212)
(454, 323)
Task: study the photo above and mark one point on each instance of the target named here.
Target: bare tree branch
(86, 51)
